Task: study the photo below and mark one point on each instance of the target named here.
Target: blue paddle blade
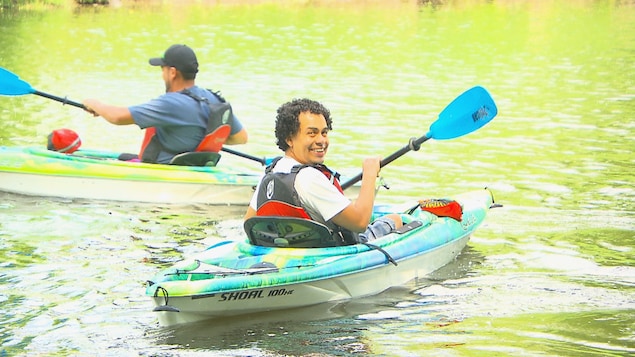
(467, 113)
(11, 84)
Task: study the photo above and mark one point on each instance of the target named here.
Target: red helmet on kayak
(64, 141)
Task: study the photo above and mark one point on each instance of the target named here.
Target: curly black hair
(287, 120)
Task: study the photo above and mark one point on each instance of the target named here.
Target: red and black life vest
(277, 197)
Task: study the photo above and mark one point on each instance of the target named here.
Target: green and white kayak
(99, 175)
(236, 277)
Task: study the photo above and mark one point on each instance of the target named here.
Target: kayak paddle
(465, 114)
(262, 160)
(11, 84)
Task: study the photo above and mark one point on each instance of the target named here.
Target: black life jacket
(277, 197)
(152, 147)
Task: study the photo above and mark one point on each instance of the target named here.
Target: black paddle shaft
(414, 145)
(246, 156)
(59, 99)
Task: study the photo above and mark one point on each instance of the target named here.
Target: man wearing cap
(177, 118)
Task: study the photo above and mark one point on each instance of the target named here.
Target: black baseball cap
(180, 57)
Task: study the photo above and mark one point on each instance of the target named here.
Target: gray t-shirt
(179, 119)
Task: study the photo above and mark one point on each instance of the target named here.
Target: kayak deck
(235, 277)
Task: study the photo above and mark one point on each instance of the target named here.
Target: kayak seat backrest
(218, 127)
(207, 152)
(291, 232)
(213, 142)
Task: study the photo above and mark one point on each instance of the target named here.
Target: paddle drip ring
(413, 144)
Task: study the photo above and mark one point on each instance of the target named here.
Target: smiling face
(309, 145)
